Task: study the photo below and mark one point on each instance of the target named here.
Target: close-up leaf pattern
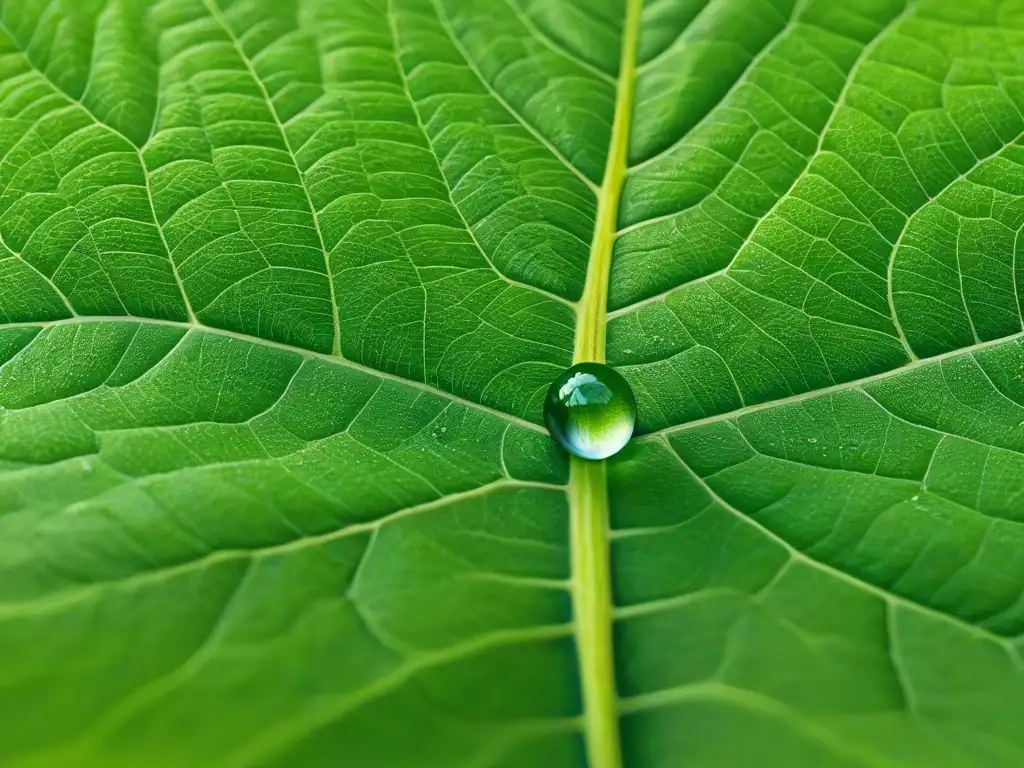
(283, 284)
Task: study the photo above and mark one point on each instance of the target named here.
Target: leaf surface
(282, 286)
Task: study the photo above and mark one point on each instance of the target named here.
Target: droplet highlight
(590, 410)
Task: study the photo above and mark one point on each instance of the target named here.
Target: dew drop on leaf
(590, 410)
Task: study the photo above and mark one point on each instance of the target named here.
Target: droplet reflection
(590, 410)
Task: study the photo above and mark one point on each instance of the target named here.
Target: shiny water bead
(590, 410)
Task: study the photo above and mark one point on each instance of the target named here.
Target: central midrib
(588, 488)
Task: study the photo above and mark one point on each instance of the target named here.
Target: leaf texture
(283, 283)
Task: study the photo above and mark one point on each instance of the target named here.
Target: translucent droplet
(812, 439)
(590, 410)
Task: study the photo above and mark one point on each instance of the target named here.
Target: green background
(283, 283)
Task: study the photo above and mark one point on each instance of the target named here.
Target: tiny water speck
(590, 411)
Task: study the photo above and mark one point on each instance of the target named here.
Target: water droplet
(590, 410)
(812, 440)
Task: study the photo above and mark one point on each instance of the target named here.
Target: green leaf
(282, 286)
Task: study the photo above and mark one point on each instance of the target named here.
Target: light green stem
(588, 486)
(592, 603)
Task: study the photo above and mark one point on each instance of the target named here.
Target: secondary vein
(301, 351)
(222, 22)
(588, 487)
